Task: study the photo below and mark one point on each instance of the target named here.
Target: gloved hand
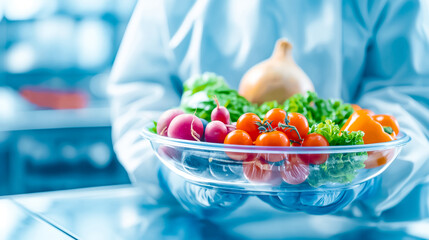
(205, 201)
(202, 201)
(316, 202)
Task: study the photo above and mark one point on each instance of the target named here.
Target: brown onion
(276, 78)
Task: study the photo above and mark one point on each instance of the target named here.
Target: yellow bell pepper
(364, 121)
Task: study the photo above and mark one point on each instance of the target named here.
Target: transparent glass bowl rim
(401, 140)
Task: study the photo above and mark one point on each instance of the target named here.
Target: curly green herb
(339, 168)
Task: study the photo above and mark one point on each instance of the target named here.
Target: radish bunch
(220, 113)
(175, 123)
(187, 127)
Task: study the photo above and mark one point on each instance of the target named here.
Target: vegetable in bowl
(339, 167)
(199, 93)
(302, 121)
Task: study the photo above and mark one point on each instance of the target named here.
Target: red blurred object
(260, 171)
(55, 99)
(295, 171)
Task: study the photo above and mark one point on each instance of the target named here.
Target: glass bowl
(283, 177)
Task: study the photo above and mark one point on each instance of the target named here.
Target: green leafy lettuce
(339, 168)
(199, 92)
(318, 110)
(331, 131)
(267, 106)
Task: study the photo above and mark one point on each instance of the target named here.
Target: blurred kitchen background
(55, 59)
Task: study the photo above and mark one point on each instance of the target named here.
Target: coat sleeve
(141, 81)
(395, 81)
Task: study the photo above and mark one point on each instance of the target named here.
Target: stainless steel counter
(126, 212)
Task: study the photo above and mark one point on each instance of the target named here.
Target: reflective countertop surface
(16, 222)
(125, 212)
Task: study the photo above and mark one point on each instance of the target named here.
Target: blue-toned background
(55, 58)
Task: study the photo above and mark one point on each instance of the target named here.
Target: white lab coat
(373, 53)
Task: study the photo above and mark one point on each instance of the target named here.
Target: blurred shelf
(52, 119)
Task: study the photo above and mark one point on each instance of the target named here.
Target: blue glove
(211, 165)
(202, 201)
(316, 202)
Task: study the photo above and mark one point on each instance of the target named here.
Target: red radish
(294, 170)
(231, 127)
(220, 113)
(165, 120)
(186, 126)
(215, 132)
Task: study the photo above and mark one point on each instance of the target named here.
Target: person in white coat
(373, 53)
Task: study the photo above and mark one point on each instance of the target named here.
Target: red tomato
(314, 140)
(259, 171)
(276, 115)
(247, 123)
(275, 138)
(294, 170)
(239, 137)
(300, 122)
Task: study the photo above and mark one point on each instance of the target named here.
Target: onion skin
(276, 78)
